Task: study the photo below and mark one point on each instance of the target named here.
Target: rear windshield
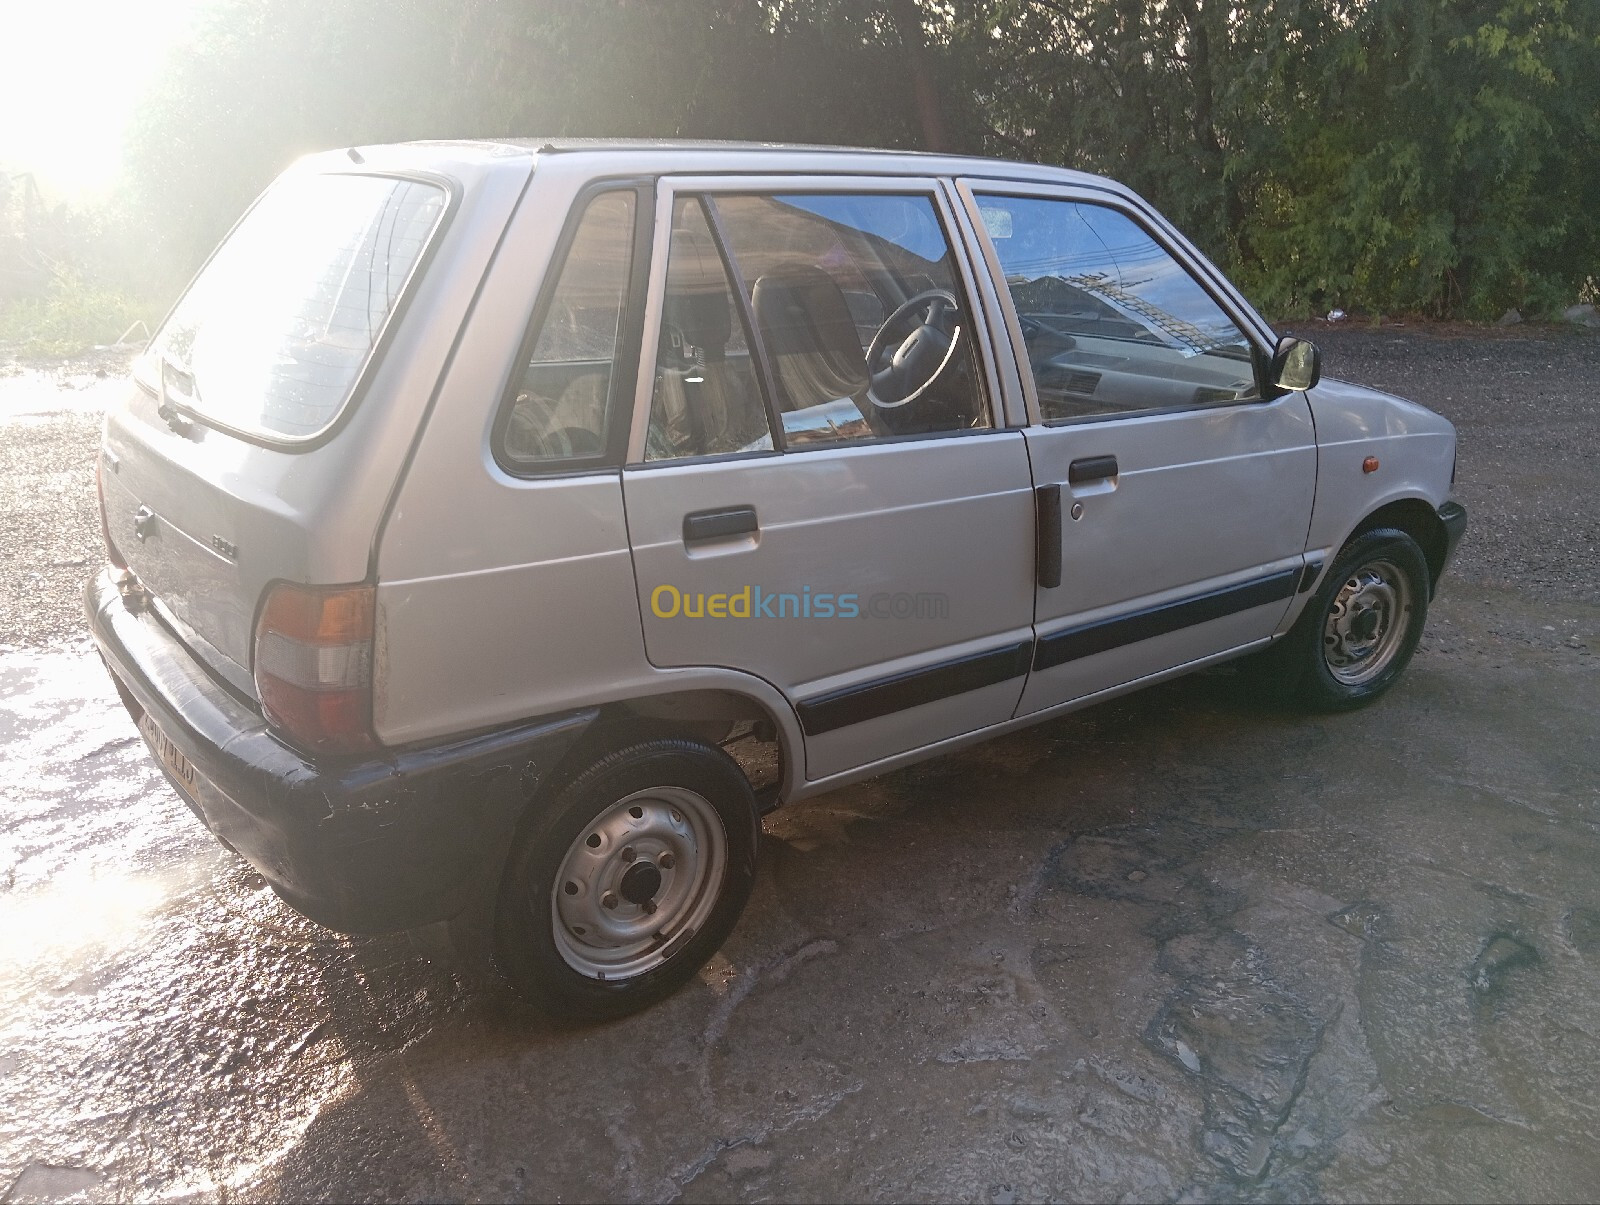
(273, 334)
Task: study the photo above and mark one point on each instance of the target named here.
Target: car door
(1174, 498)
(862, 542)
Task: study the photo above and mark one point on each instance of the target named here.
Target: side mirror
(1296, 364)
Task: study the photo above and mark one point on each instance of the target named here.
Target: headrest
(802, 315)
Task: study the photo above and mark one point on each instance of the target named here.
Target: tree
(1425, 155)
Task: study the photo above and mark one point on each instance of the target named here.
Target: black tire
(1318, 669)
(656, 849)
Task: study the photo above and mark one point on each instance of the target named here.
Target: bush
(73, 316)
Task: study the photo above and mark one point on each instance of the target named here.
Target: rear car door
(858, 534)
(1174, 498)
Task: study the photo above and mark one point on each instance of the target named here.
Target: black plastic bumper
(1454, 517)
(362, 845)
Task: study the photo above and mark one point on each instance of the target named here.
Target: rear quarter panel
(500, 597)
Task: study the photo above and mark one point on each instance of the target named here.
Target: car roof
(665, 155)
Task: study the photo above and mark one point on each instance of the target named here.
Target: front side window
(857, 317)
(562, 408)
(273, 334)
(1112, 323)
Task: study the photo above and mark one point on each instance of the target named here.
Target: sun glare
(80, 909)
(73, 73)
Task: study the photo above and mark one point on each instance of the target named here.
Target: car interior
(1090, 357)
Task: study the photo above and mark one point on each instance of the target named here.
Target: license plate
(171, 757)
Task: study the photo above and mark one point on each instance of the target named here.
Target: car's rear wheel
(618, 893)
(1359, 630)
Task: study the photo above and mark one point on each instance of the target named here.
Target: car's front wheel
(618, 893)
(1360, 628)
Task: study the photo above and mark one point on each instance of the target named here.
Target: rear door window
(844, 289)
(278, 327)
(706, 400)
(852, 299)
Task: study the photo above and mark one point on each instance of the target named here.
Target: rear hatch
(236, 461)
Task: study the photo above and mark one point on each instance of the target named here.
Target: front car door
(1176, 496)
(818, 490)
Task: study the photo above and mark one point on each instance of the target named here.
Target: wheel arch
(1419, 520)
(700, 703)
(705, 713)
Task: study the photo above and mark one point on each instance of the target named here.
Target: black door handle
(1047, 557)
(717, 524)
(1091, 468)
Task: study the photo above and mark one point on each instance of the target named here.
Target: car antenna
(355, 155)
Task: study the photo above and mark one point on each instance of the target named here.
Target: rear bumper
(362, 845)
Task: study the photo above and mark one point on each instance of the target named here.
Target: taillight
(112, 554)
(313, 665)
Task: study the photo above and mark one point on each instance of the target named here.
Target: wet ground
(1174, 947)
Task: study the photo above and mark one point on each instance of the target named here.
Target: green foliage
(1434, 156)
(72, 316)
(1455, 174)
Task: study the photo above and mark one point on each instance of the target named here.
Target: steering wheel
(901, 369)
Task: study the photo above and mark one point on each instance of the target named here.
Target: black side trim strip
(1309, 575)
(841, 708)
(1158, 621)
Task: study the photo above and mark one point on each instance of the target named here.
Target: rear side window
(563, 404)
(273, 335)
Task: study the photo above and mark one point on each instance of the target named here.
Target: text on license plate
(171, 756)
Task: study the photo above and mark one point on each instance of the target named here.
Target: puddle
(167, 1026)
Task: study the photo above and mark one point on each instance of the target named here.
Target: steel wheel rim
(1366, 624)
(638, 882)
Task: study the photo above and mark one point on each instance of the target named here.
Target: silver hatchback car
(497, 530)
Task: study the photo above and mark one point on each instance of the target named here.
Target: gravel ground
(50, 542)
(1526, 406)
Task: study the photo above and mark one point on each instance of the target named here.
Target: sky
(70, 74)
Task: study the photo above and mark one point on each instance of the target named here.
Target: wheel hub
(1366, 623)
(1364, 626)
(639, 880)
(640, 883)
